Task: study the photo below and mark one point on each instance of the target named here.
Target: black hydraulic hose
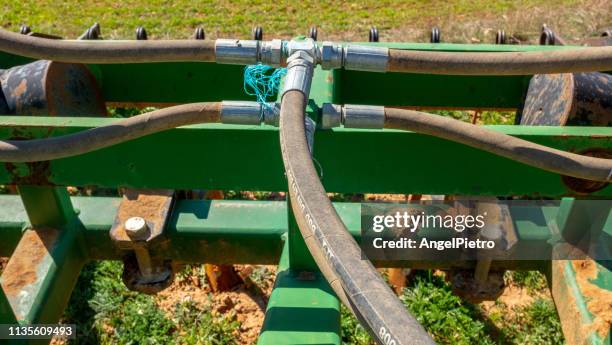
(96, 138)
(587, 59)
(463, 63)
(355, 280)
(96, 51)
(543, 157)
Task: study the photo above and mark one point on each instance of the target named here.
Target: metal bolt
(136, 228)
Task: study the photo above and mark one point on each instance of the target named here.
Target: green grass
(534, 281)
(450, 320)
(352, 332)
(106, 312)
(444, 315)
(178, 18)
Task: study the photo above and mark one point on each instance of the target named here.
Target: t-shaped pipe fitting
(299, 72)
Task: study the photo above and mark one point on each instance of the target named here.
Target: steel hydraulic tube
(587, 59)
(543, 157)
(355, 280)
(97, 51)
(100, 137)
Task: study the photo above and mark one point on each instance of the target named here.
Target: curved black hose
(356, 281)
(85, 51)
(587, 59)
(96, 138)
(543, 157)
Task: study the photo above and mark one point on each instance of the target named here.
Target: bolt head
(136, 228)
(300, 57)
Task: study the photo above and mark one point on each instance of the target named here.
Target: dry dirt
(515, 297)
(571, 22)
(247, 301)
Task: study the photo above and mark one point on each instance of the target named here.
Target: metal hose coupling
(277, 53)
(352, 116)
(300, 67)
(250, 113)
(249, 52)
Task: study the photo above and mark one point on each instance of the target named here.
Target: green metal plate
(232, 157)
(303, 309)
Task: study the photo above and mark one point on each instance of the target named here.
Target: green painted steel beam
(44, 266)
(234, 231)
(302, 309)
(13, 225)
(6, 312)
(432, 91)
(216, 156)
(581, 287)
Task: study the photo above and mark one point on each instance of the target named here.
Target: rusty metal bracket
(138, 230)
(484, 283)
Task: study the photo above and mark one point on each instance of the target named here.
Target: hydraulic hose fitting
(271, 53)
(241, 112)
(363, 116)
(331, 55)
(306, 45)
(331, 115)
(271, 114)
(249, 113)
(352, 116)
(299, 72)
(237, 52)
(366, 58)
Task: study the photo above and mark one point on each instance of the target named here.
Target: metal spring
(199, 33)
(141, 33)
(547, 37)
(92, 33)
(373, 37)
(500, 37)
(313, 33)
(435, 35)
(258, 33)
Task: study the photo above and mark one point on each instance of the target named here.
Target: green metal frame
(302, 307)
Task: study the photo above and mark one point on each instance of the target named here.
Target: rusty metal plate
(25, 271)
(151, 204)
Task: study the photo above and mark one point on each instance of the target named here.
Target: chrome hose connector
(366, 58)
(271, 114)
(331, 115)
(241, 112)
(363, 116)
(299, 72)
(271, 53)
(237, 52)
(331, 55)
